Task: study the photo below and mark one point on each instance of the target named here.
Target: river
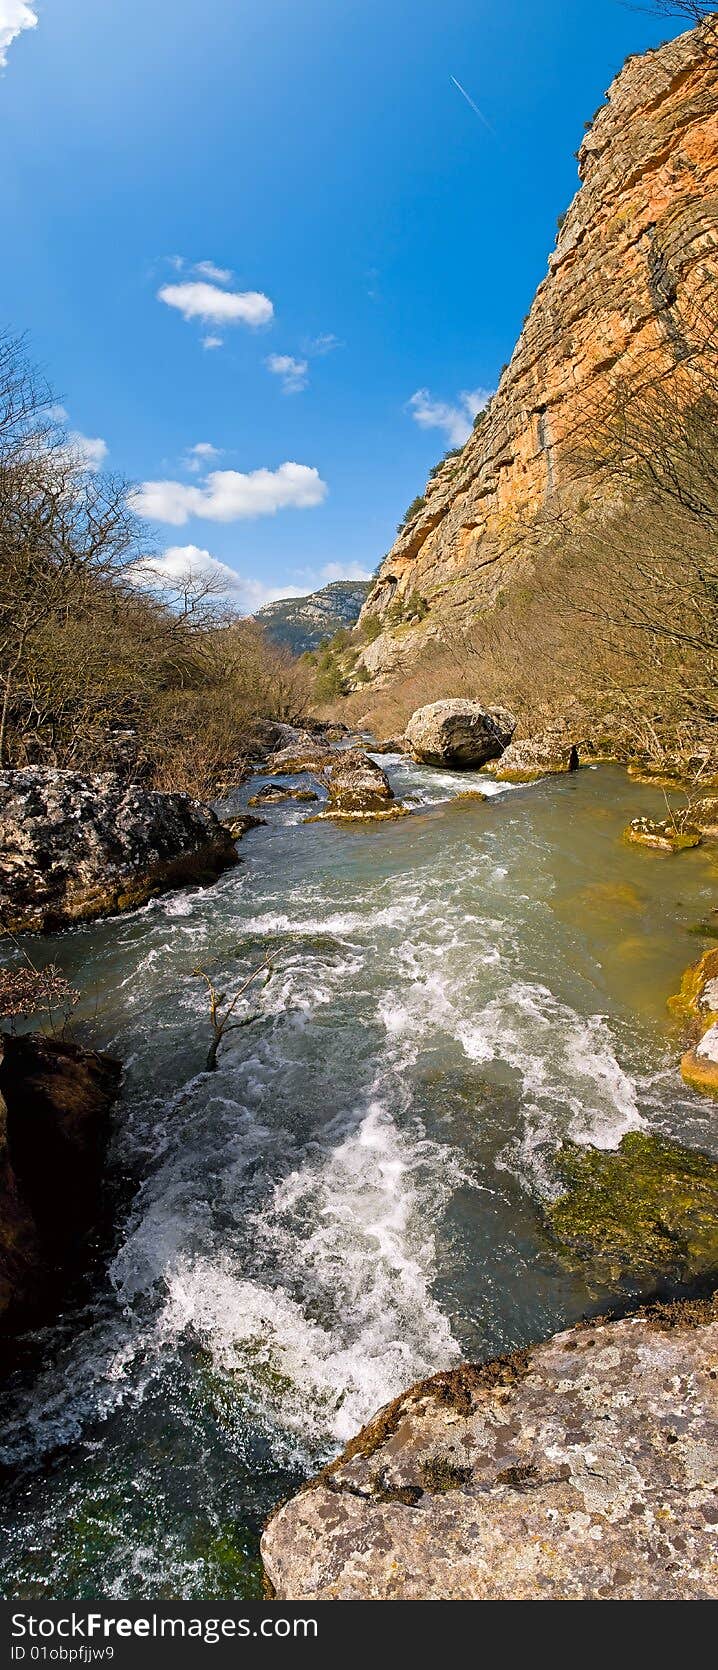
(353, 1199)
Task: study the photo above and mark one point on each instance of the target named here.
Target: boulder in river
(307, 755)
(55, 1102)
(459, 734)
(272, 794)
(582, 1469)
(697, 1004)
(75, 848)
(531, 757)
(673, 834)
(358, 787)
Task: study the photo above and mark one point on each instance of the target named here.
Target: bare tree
(222, 1007)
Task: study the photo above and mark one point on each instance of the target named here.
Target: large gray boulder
(459, 734)
(73, 848)
(583, 1469)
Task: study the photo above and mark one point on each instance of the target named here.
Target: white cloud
(199, 300)
(456, 420)
(15, 15)
(344, 571)
(90, 450)
(218, 275)
(197, 457)
(212, 341)
(230, 495)
(318, 346)
(293, 372)
(179, 562)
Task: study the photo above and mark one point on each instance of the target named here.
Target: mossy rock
(664, 837)
(647, 1209)
(699, 1066)
(693, 1003)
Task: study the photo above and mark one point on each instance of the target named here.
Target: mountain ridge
(301, 623)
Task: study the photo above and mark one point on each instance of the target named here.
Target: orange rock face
(636, 255)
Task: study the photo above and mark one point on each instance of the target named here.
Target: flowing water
(353, 1199)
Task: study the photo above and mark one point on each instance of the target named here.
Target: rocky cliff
(635, 260)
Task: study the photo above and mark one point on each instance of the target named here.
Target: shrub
(410, 515)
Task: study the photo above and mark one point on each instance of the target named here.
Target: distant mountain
(300, 623)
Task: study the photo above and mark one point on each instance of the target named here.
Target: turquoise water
(354, 1199)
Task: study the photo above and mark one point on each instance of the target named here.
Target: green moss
(671, 835)
(647, 1209)
(438, 1475)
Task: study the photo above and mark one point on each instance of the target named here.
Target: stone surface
(241, 822)
(583, 1469)
(357, 785)
(459, 734)
(272, 794)
(635, 250)
(666, 836)
(538, 756)
(55, 1102)
(305, 755)
(75, 848)
(704, 814)
(699, 1066)
(697, 1004)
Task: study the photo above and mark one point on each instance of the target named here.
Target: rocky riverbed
(365, 1192)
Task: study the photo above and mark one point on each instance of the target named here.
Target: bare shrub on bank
(106, 660)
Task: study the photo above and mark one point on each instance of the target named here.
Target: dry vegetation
(101, 664)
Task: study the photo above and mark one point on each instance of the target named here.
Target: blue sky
(378, 243)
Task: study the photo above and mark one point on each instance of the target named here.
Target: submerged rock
(648, 1209)
(74, 848)
(583, 1469)
(55, 1102)
(459, 734)
(670, 835)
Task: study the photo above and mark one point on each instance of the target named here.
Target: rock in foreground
(460, 735)
(55, 1102)
(583, 1469)
(75, 848)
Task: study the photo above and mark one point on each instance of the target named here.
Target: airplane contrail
(475, 108)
